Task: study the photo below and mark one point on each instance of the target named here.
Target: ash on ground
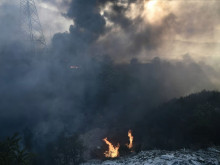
(210, 156)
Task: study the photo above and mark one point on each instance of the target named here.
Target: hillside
(191, 121)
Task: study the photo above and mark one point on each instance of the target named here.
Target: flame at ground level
(131, 138)
(112, 151)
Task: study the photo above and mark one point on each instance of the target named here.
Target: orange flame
(131, 138)
(112, 151)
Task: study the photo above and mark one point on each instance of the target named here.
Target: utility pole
(31, 26)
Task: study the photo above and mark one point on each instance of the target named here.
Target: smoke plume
(115, 62)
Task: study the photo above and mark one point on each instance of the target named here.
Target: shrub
(11, 153)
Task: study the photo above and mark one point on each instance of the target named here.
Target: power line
(30, 24)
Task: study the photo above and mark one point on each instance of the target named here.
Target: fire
(74, 67)
(131, 138)
(112, 151)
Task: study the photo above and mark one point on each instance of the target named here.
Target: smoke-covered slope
(189, 121)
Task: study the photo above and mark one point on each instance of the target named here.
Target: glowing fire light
(131, 138)
(112, 151)
(74, 67)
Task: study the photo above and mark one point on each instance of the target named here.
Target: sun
(150, 5)
(151, 10)
(154, 10)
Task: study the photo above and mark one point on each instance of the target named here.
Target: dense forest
(192, 121)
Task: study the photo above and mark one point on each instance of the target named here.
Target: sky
(178, 27)
(50, 15)
(169, 29)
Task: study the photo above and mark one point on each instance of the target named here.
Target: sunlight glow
(153, 10)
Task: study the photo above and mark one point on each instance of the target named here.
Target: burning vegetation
(131, 138)
(113, 151)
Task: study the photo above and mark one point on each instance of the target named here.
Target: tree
(11, 153)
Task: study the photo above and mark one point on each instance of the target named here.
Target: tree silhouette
(11, 153)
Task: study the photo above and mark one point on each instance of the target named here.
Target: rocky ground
(210, 156)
